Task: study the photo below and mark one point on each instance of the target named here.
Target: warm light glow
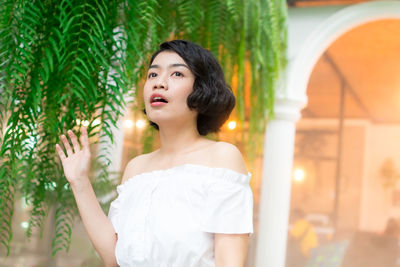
(299, 175)
(24, 225)
(86, 123)
(96, 122)
(140, 124)
(128, 124)
(232, 125)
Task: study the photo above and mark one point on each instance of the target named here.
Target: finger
(66, 145)
(60, 152)
(81, 138)
(74, 141)
(85, 136)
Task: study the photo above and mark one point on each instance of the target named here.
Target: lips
(157, 99)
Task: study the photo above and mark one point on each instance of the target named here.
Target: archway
(279, 139)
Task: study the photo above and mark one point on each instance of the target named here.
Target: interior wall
(317, 193)
(379, 202)
(351, 177)
(365, 202)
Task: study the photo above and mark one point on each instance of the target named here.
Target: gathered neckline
(183, 166)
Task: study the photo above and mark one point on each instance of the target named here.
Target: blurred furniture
(371, 250)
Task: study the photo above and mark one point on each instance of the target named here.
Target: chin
(157, 119)
(164, 117)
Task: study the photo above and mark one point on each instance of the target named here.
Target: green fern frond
(7, 191)
(189, 17)
(64, 220)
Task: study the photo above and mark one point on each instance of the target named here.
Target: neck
(178, 139)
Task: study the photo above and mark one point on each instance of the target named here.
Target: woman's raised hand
(76, 163)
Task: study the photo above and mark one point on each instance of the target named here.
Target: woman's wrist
(80, 184)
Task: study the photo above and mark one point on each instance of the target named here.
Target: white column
(116, 149)
(276, 182)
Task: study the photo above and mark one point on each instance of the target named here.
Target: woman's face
(169, 83)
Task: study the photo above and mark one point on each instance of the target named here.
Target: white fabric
(168, 217)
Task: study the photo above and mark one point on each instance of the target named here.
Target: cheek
(188, 89)
(182, 100)
(146, 90)
(188, 94)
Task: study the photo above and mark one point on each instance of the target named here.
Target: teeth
(158, 99)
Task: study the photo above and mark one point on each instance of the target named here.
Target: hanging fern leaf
(63, 226)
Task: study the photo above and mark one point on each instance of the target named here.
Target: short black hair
(212, 97)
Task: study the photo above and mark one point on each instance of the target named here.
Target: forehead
(167, 58)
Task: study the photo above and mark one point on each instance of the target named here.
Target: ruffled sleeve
(114, 210)
(229, 204)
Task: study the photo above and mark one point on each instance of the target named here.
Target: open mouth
(157, 99)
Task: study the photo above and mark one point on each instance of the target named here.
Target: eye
(152, 75)
(177, 73)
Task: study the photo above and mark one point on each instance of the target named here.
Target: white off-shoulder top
(168, 217)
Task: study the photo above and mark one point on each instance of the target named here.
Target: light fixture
(24, 225)
(140, 124)
(128, 124)
(299, 175)
(232, 125)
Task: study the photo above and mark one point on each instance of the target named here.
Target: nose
(160, 84)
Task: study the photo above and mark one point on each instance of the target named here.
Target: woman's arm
(97, 225)
(231, 249)
(76, 170)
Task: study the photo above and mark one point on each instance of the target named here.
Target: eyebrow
(170, 66)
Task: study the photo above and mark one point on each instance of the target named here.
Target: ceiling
(366, 63)
(304, 3)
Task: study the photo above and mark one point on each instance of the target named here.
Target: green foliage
(69, 61)
(58, 66)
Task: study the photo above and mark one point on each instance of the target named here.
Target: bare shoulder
(135, 166)
(229, 156)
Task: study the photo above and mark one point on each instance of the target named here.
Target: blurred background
(344, 208)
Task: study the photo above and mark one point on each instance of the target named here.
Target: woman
(189, 202)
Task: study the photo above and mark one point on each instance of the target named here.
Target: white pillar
(276, 182)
